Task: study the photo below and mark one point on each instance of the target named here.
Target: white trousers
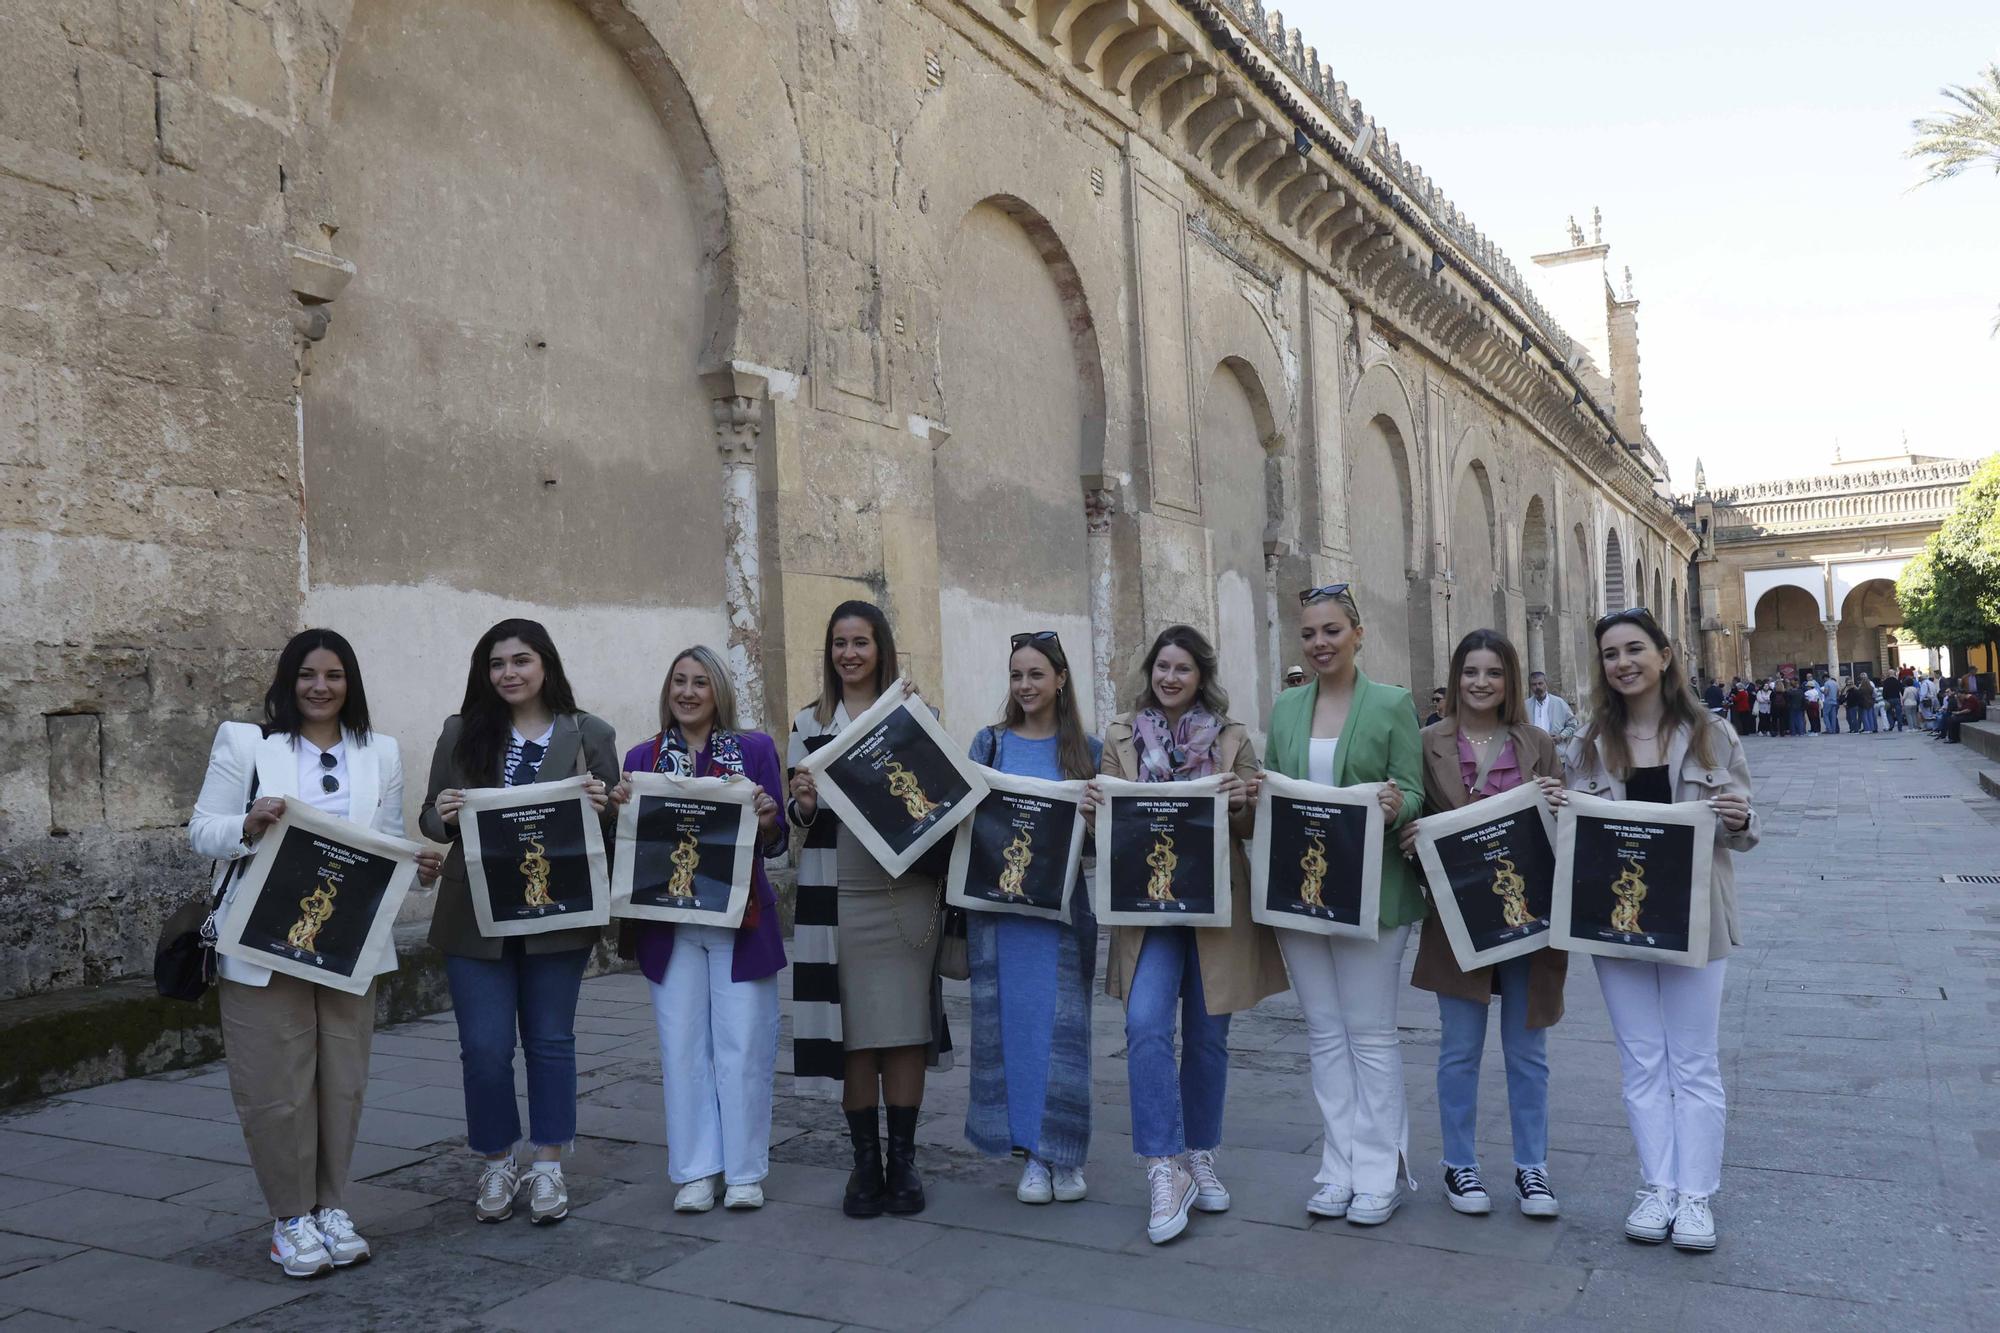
(718, 1048)
(1348, 990)
(1666, 1020)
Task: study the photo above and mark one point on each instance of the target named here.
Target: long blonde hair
(1679, 705)
(718, 681)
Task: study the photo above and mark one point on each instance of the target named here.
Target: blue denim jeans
(1527, 1053)
(1173, 1108)
(491, 998)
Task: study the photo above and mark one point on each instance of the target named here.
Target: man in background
(1548, 711)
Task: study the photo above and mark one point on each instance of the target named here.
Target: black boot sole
(853, 1209)
(903, 1208)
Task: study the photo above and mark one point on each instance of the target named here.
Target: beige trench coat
(1240, 962)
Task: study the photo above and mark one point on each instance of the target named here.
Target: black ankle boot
(906, 1187)
(864, 1183)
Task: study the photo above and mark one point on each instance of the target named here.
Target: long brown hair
(1512, 710)
(1072, 741)
(885, 655)
(1189, 640)
(1680, 707)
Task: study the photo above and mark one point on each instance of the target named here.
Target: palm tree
(1966, 137)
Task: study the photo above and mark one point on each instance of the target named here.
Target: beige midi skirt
(889, 940)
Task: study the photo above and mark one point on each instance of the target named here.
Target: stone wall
(670, 323)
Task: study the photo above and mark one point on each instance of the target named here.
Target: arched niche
(1788, 631)
(509, 394)
(1867, 615)
(1614, 573)
(1023, 397)
(1237, 432)
(1477, 600)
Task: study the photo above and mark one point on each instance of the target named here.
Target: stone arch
(1614, 573)
(1659, 603)
(1580, 604)
(1806, 578)
(493, 396)
(1239, 437)
(1389, 540)
(1868, 613)
(1023, 391)
(1674, 626)
(1477, 598)
(1788, 630)
(1539, 562)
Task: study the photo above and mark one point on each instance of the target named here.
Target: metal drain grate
(1929, 796)
(1970, 879)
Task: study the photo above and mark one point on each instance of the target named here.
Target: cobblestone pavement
(1862, 1047)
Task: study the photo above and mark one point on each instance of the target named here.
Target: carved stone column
(1100, 505)
(1832, 628)
(737, 407)
(1537, 640)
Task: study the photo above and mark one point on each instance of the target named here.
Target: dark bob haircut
(281, 701)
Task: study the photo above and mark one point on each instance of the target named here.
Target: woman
(882, 1017)
(715, 991)
(1342, 729)
(1179, 730)
(1812, 706)
(518, 724)
(298, 1053)
(1485, 746)
(1030, 977)
(1764, 709)
(1648, 741)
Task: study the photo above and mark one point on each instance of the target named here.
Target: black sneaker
(1464, 1192)
(1532, 1187)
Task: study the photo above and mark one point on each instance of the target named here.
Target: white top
(312, 790)
(1319, 759)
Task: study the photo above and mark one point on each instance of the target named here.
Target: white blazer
(374, 799)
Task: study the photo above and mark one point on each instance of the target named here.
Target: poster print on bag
(896, 779)
(319, 900)
(1491, 869)
(1020, 851)
(1632, 879)
(534, 858)
(1163, 853)
(1316, 857)
(686, 850)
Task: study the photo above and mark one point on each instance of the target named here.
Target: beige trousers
(298, 1067)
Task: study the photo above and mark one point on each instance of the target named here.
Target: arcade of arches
(667, 324)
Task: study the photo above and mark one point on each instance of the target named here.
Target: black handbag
(184, 955)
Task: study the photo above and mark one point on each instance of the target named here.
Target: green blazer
(1378, 743)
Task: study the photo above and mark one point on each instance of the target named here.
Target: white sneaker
(343, 1242)
(743, 1196)
(1035, 1186)
(1209, 1195)
(1653, 1217)
(1372, 1210)
(1330, 1201)
(548, 1197)
(697, 1196)
(298, 1248)
(498, 1184)
(1694, 1224)
(1171, 1191)
(1069, 1184)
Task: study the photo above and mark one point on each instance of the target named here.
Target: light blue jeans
(1174, 1108)
(1527, 1053)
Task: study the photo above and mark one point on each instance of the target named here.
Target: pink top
(1505, 775)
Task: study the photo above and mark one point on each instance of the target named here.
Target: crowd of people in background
(1814, 704)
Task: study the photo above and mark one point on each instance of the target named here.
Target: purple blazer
(760, 949)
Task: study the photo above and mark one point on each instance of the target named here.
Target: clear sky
(1795, 291)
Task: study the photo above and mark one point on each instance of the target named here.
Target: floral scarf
(725, 753)
(1177, 753)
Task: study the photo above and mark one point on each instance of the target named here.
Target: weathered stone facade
(672, 322)
(1803, 570)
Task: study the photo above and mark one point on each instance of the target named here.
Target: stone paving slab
(1861, 1048)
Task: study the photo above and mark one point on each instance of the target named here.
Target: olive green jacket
(1378, 743)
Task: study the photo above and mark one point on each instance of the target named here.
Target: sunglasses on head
(328, 783)
(1028, 636)
(1632, 614)
(1310, 595)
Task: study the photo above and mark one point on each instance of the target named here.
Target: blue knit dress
(1031, 987)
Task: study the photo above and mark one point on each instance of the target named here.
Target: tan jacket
(1444, 789)
(1584, 771)
(1240, 963)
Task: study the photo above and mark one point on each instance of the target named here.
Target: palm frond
(1966, 137)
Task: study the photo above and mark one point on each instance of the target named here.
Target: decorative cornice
(1945, 472)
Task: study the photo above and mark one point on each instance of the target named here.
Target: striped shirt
(524, 757)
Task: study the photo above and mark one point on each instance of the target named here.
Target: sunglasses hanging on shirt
(328, 783)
